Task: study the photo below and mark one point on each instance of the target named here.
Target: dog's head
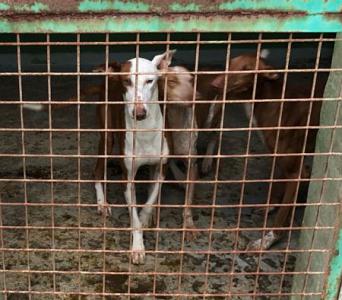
(179, 84)
(240, 82)
(138, 82)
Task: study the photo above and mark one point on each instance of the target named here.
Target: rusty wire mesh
(53, 242)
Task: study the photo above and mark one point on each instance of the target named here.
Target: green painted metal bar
(170, 15)
(256, 23)
(166, 6)
(335, 275)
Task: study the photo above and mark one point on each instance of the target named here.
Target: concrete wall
(323, 192)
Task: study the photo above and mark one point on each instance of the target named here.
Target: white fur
(141, 87)
(147, 146)
(212, 109)
(140, 144)
(264, 53)
(101, 203)
(263, 244)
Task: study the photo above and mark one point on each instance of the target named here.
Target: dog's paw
(138, 250)
(104, 209)
(264, 243)
(190, 233)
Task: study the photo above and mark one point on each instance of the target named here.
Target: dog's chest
(147, 146)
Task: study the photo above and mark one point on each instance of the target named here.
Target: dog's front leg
(102, 205)
(148, 209)
(207, 163)
(138, 248)
(177, 173)
(188, 219)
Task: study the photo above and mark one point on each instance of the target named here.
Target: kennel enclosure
(55, 246)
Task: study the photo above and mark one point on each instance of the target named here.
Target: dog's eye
(127, 82)
(150, 81)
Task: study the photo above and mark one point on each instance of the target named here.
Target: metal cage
(53, 243)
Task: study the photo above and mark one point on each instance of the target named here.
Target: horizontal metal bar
(83, 205)
(104, 73)
(189, 42)
(34, 180)
(232, 129)
(221, 156)
(158, 251)
(168, 229)
(249, 155)
(184, 295)
(185, 273)
(74, 102)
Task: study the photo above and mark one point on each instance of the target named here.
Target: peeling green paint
(4, 6)
(103, 5)
(36, 7)
(191, 7)
(335, 276)
(143, 23)
(166, 6)
(309, 7)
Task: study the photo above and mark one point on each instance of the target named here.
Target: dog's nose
(141, 116)
(140, 113)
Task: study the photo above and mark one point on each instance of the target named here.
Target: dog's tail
(89, 91)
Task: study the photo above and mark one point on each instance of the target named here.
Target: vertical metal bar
(78, 91)
(214, 198)
(198, 38)
(22, 125)
(250, 125)
(2, 252)
(132, 180)
(288, 53)
(105, 167)
(48, 56)
(312, 94)
(156, 210)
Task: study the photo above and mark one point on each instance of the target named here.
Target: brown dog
(267, 114)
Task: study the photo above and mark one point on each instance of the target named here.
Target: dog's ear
(162, 61)
(112, 67)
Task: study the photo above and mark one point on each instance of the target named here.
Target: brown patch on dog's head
(177, 80)
(123, 80)
(240, 82)
(180, 86)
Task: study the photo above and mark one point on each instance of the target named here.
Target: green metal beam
(167, 6)
(171, 15)
(335, 275)
(147, 23)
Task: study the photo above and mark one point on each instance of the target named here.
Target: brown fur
(267, 115)
(115, 118)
